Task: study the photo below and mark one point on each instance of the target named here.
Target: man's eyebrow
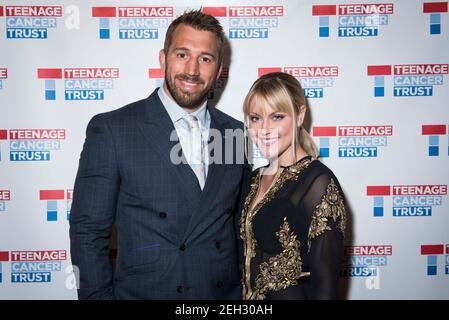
(186, 49)
(180, 48)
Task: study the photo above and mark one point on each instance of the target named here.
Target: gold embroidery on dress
(246, 219)
(282, 270)
(331, 206)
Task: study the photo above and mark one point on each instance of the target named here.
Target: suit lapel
(157, 127)
(215, 170)
(214, 178)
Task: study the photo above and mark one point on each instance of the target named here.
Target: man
(174, 220)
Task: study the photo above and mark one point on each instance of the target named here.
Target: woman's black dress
(292, 240)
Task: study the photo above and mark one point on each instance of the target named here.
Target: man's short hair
(199, 21)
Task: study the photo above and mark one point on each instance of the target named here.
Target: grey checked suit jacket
(174, 240)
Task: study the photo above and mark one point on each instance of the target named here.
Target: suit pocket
(143, 259)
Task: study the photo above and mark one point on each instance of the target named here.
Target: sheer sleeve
(325, 203)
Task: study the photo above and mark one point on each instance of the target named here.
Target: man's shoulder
(129, 113)
(132, 110)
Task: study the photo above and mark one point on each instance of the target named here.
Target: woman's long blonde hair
(283, 93)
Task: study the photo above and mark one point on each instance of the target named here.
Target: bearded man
(174, 219)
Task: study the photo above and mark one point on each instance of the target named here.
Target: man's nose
(192, 67)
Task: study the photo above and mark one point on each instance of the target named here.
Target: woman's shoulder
(318, 168)
(319, 174)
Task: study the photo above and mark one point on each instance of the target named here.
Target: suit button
(217, 245)
(182, 247)
(179, 289)
(219, 284)
(162, 215)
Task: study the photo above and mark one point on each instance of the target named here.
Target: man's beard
(185, 99)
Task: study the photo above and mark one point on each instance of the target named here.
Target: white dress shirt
(177, 113)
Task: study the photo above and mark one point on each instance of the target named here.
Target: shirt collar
(176, 112)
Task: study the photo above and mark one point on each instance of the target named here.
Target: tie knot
(192, 121)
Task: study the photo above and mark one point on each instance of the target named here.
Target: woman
(293, 213)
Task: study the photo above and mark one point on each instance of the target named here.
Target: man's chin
(188, 101)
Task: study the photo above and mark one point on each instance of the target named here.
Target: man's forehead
(189, 37)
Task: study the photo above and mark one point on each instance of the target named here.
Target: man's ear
(162, 59)
(301, 115)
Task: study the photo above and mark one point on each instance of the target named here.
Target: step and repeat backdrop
(375, 74)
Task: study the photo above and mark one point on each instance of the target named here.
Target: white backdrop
(395, 181)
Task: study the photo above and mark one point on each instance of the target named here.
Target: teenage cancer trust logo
(434, 10)
(365, 260)
(32, 144)
(354, 20)
(54, 197)
(5, 195)
(434, 132)
(3, 76)
(432, 252)
(409, 80)
(353, 141)
(248, 22)
(407, 200)
(314, 79)
(36, 266)
(30, 22)
(79, 83)
(133, 22)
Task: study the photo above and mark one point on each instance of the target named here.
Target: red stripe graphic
(216, 11)
(324, 131)
(49, 73)
(378, 190)
(4, 256)
(263, 71)
(433, 129)
(1, 11)
(432, 249)
(51, 195)
(324, 10)
(3, 134)
(155, 73)
(379, 70)
(103, 12)
(430, 7)
(447, 249)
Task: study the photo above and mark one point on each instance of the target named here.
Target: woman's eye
(253, 118)
(278, 117)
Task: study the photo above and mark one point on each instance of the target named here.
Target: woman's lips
(268, 141)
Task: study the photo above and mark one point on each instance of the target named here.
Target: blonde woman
(293, 211)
